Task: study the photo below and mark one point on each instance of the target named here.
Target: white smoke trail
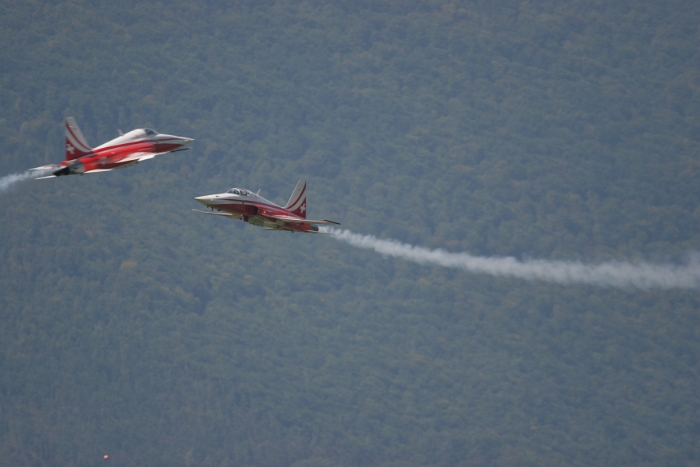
(8, 181)
(608, 274)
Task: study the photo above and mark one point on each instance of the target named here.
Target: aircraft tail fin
(76, 145)
(297, 202)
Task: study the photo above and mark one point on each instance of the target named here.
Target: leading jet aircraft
(128, 149)
(242, 204)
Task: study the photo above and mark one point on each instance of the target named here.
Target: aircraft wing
(298, 220)
(288, 230)
(138, 156)
(224, 214)
(144, 156)
(94, 171)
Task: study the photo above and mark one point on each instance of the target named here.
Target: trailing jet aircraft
(128, 149)
(242, 204)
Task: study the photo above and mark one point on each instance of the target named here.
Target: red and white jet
(128, 149)
(242, 204)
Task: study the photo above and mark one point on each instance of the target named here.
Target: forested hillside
(132, 327)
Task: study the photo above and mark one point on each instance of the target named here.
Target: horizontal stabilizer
(46, 167)
(324, 222)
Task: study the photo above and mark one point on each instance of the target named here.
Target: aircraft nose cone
(202, 199)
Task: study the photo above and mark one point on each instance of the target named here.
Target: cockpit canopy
(150, 131)
(239, 191)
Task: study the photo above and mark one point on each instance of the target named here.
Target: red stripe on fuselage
(161, 142)
(109, 157)
(265, 211)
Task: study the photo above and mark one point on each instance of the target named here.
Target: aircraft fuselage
(123, 151)
(254, 209)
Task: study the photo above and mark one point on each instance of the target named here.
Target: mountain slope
(562, 130)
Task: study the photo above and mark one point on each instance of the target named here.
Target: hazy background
(554, 130)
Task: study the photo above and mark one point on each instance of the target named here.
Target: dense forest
(558, 130)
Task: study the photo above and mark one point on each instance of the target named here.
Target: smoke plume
(608, 274)
(9, 181)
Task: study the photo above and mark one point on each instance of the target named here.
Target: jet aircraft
(242, 204)
(123, 151)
